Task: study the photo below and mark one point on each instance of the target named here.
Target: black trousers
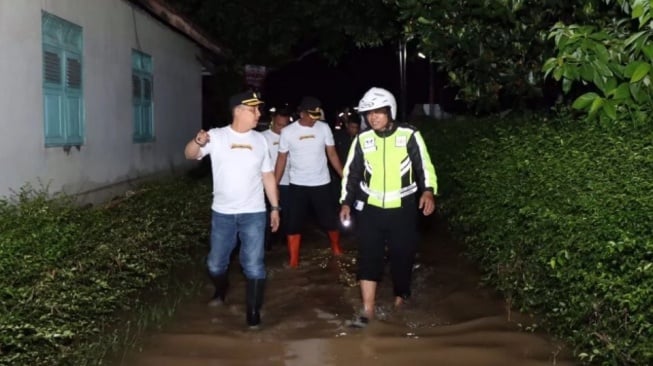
(388, 231)
(320, 199)
(283, 215)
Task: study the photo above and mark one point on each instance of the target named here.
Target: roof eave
(164, 12)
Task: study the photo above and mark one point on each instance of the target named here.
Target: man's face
(306, 118)
(378, 118)
(279, 121)
(249, 114)
(353, 128)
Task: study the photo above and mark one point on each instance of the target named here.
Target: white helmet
(377, 98)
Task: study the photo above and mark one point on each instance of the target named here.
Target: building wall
(108, 157)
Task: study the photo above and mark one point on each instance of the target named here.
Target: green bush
(559, 216)
(67, 273)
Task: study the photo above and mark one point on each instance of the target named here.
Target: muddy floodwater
(451, 320)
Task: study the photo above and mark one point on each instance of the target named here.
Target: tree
(492, 50)
(611, 54)
(275, 32)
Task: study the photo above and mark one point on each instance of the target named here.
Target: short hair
(355, 119)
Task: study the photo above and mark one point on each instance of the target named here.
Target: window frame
(63, 102)
(143, 101)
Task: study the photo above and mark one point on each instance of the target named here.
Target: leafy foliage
(614, 57)
(275, 32)
(67, 272)
(492, 50)
(558, 216)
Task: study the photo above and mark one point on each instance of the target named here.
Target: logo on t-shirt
(241, 146)
(303, 137)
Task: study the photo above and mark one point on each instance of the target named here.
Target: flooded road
(449, 321)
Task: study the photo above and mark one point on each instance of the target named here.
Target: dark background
(343, 84)
(338, 85)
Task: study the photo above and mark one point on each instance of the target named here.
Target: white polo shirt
(306, 152)
(273, 144)
(237, 161)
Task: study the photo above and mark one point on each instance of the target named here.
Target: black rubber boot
(255, 289)
(221, 284)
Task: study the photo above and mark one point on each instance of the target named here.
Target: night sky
(344, 84)
(336, 85)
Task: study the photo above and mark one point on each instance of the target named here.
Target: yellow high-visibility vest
(389, 175)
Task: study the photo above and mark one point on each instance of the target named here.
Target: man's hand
(193, 147)
(202, 138)
(427, 203)
(345, 212)
(274, 220)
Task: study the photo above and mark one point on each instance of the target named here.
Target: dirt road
(451, 320)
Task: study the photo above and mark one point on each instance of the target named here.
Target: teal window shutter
(74, 100)
(142, 100)
(53, 97)
(63, 96)
(136, 102)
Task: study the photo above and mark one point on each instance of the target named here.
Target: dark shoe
(221, 284)
(255, 289)
(361, 320)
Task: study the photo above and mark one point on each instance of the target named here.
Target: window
(63, 97)
(142, 96)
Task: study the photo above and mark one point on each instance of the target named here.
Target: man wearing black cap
(303, 145)
(343, 138)
(242, 170)
(280, 119)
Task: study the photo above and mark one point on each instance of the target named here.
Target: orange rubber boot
(294, 242)
(334, 237)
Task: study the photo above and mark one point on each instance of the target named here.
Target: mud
(451, 320)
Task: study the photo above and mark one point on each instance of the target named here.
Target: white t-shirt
(237, 161)
(306, 152)
(273, 144)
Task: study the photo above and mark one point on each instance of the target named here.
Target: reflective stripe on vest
(390, 196)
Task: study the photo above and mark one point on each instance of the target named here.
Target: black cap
(312, 106)
(248, 98)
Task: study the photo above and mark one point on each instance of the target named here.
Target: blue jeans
(225, 230)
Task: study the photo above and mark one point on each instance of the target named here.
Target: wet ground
(450, 321)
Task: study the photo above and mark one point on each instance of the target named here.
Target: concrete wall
(109, 157)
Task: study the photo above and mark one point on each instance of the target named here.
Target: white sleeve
(283, 141)
(328, 135)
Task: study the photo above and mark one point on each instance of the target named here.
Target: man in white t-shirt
(242, 170)
(306, 145)
(280, 119)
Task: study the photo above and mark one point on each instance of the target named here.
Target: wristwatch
(275, 208)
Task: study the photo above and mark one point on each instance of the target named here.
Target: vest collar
(388, 131)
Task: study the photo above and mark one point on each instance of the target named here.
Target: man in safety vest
(387, 178)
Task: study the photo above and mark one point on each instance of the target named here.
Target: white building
(96, 94)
